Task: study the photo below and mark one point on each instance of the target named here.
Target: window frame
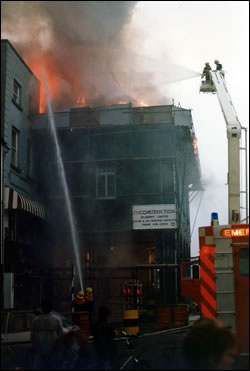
(17, 95)
(243, 262)
(29, 158)
(14, 149)
(105, 172)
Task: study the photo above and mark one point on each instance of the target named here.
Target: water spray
(64, 181)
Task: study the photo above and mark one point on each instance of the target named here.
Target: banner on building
(154, 216)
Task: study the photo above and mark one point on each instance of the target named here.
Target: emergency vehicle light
(214, 216)
(235, 232)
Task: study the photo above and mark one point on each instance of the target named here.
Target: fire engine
(219, 282)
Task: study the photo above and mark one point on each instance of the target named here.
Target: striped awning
(14, 200)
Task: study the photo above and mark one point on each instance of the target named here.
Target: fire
(120, 102)
(67, 89)
(142, 104)
(195, 145)
(81, 100)
(37, 67)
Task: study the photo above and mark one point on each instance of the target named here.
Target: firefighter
(218, 65)
(89, 303)
(79, 302)
(207, 72)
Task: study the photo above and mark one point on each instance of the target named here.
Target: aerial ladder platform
(221, 285)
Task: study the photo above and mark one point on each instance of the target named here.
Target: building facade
(22, 214)
(129, 172)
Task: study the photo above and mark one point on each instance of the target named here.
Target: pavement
(161, 349)
(158, 348)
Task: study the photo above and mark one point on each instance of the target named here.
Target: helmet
(80, 295)
(216, 61)
(207, 63)
(89, 291)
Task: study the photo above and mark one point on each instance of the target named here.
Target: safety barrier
(180, 315)
(130, 321)
(164, 317)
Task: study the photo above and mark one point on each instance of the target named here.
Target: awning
(14, 200)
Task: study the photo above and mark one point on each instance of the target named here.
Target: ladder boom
(217, 85)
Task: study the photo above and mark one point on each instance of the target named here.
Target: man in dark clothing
(218, 65)
(89, 303)
(79, 302)
(105, 347)
(207, 72)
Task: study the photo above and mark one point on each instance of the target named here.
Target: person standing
(218, 65)
(207, 72)
(104, 344)
(79, 302)
(45, 329)
(89, 303)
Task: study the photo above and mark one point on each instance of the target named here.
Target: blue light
(214, 216)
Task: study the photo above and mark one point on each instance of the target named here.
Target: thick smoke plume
(83, 47)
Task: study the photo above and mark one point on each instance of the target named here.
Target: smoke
(83, 47)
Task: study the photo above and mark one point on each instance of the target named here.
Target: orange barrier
(164, 317)
(180, 314)
(130, 321)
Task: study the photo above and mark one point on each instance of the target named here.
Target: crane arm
(217, 85)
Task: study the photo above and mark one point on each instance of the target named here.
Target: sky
(188, 34)
(150, 52)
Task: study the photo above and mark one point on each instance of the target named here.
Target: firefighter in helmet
(79, 302)
(218, 65)
(207, 72)
(89, 303)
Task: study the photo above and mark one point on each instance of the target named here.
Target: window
(14, 147)
(29, 158)
(17, 93)
(244, 262)
(105, 183)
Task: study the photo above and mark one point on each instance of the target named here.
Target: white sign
(154, 216)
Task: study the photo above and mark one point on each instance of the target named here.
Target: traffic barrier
(164, 317)
(81, 319)
(180, 315)
(130, 321)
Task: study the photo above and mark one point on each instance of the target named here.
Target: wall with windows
(110, 166)
(20, 92)
(23, 227)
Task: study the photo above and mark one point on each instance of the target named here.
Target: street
(155, 349)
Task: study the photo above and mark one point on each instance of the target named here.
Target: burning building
(129, 166)
(129, 171)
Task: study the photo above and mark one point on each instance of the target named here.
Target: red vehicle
(221, 289)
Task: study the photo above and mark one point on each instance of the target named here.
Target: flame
(65, 86)
(120, 102)
(195, 145)
(37, 67)
(81, 100)
(142, 104)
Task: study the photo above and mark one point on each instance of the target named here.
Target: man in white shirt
(45, 330)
